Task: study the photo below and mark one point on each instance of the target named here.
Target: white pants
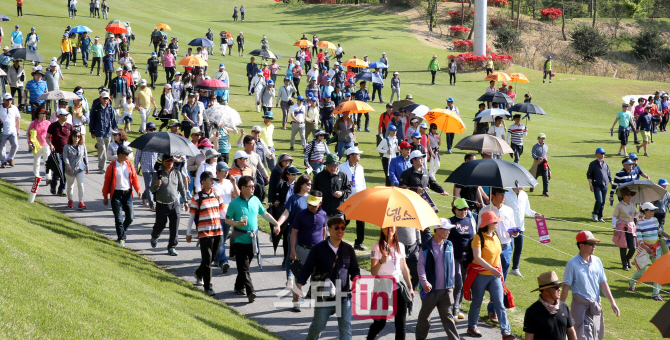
(144, 115)
(223, 49)
(257, 96)
(434, 166)
(44, 152)
(396, 92)
(80, 185)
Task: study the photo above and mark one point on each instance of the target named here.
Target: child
(91, 8)
(127, 116)
(648, 232)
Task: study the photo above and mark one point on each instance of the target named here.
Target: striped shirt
(147, 160)
(648, 230)
(622, 177)
(316, 151)
(515, 134)
(209, 219)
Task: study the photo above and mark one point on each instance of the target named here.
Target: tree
(462, 13)
(589, 43)
(563, 19)
(506, 38)
(595, 11)
(649, 44)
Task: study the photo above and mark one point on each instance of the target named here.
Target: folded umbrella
(484, 143)
(377, 64)
(165, 143)
(212, 85)
(370, 77)
(81, 29)
(492, 173)
(646, 191)
(488, 116)
(58, 95)
(203, 42)
(267, 54)
(25, 54)
(353, 106)
(446, 120)
(417, 109)
(495, 97)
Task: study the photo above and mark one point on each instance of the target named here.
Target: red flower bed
(458, 31)
(456, 15)
(471, 62)
(551, 14)
(463, 45)
(498, 3)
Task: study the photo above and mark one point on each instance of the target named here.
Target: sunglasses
(339, 227)
(77, 136)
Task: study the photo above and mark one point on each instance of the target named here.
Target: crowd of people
(464, 256)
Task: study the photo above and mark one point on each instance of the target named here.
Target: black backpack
(469, 257)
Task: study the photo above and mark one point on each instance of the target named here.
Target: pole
(479, 48)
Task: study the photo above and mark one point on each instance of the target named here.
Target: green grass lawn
(65, 281)
(580, 111)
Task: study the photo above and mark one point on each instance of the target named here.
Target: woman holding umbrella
(623, 223)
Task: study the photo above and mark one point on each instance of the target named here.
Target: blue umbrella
(201, 42)
(4, 18)
(377, 64)
(371, 77)
(81, 29)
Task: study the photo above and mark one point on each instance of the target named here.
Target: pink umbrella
(212, 85)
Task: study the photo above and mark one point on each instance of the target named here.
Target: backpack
(469, 257)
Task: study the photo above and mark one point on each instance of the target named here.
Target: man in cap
(549, 317)
(355, 174)
(191, 115)
(120, 180)
(57, 137)
(333, 184)
(436, 274)
(599, 177)
(16, 76)
(585, 275)
(240, 44)
(388, 148)
(31, 40)
(52, 78)
(285, 94)
(103, 121)
(400, 163)
(363, 95)
(297, 112)
(638, 171)
(384, 60)
(547, 69)
(167, 187)
(417, 178)
(625, 120)
(144, 99)
(35, 88)
(11, 120)
(540, 167)
(517, 199)
(145, 161)
(119, 89)
(662, 204)
(256, 86)
(108, 67)
(256, 162)
(515, 135)
(625, 175)
(152, 69)
(16, 38)
(384, 120)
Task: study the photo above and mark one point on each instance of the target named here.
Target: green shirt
(96, 50)
(251, 208)
(433, 65)
(624, 118)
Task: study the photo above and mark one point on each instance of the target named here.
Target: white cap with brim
(648, 206)
(353, 150)
(62, 112)
(104, 95)
(445, 223)
(240, 154)
(416, 154)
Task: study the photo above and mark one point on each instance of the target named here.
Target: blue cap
(393, 128)
(600, 150)
(327, 78)
(69, 26)
(32, 28)
(313, 78)
(270, 82)
(110, 52)
(300, 98)
(327, 95)
(153, 53)
(416, 135)
(389, 105)
(632, 156)
(324, 68)
(151, 126)
(222, 65)
(662, 181)
(450, 99)
(351, 80)
(287, 78)
(222, 166)
(341, 68)
(17, 26)
(628, 161)
(347, 94)
(268, 114)
(626, 104)
(259, 72)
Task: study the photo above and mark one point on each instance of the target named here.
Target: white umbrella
(223, 115)
(58, 95)
(488, 116)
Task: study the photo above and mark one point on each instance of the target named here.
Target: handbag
(508, 298)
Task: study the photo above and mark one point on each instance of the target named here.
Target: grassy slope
(65, 281)
(580, 110)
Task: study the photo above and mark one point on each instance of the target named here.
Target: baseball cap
(662, 181)
(445, 224)
(62, 112)
(7, 96)
(405, 145)
(240, 154)
(600, 150)
(256, 128)
(389, 105)
(168, 86)
(53, 63)
(222, 166)
(648, 206)
(313, 200)
(123, 150)
(450, 99)
(416, 154)
(153, 53)
(586, 236)
(313, 78)
(626, 104)
(222, 66)
(291, 170)
(143, 81)
(396, 113)
(632, 156)
(300, 98)
(210, 153)
(416, 135)
(151, 126)
(423, 125)
(173, 122)
(393, 128)
(196, 130)
(119, 69)
(541, 135)
(460, 203)
(628, 162)
(353, 150)
(104, 94)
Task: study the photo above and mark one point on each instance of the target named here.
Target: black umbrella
(527, 108)
(492, 173)
(495, 97)
(662, 320)
(165, 143)
(267, 54)
(25, 54)
(397, 105)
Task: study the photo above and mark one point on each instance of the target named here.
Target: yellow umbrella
(353, 106)
(446, 120)
(164, 26)
(326, 44)
(498, 76)
(390, 207)
(303, 43)
(193, 61)
(354, 63)
(518, 78)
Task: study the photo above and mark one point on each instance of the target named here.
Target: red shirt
(19, 2)
(320, 57)
(129, 78)
(59, 135)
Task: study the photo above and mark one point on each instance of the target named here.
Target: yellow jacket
(66, 45)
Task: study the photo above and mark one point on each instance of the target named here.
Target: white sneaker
(516, 272)
(594, 217)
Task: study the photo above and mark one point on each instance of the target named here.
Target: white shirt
(355, 176)
(507, 214)
(122, 176)
(225, 190)
(333, 247)
(8, 116)
(393, 259)
(454, 109)
(202, 168)
(498, 130)
(388, 143)
(223, 76)
(128, 109)
(520, 205)
(299, 112)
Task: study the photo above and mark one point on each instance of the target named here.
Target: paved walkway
(269, 283)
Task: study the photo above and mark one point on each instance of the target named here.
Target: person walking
(623, 223)
(433, 67)
(16, 37)
(363, 95)
(191, 115)
(599, 177)
(167, 187)
(316, 151)
(75, 165)
(540, 167)
(242, 215)
(227, 189)
(515, 134)
(547, 69)
(462, 232)
(585, 275)
(395, 86)
(506, 228)
(145, 162)
(16, 76)
(436, 274)
(235, 14)
(285, 94)
(35, 88)
(338, 259)
(388, 148)
(485, 273)
(297, 112)
(662, 205)
(40, 125)
(549, 317)
(144, 99)
(417, 178)
(205, 212)
(345, 128)
(648, 233)
(120, 179)
(453, 69)
(240, 44)
(256, 86)
(400, 163)
(84, 44)
(377, 88)
(626, 123)
(517, 199)
(644, 123)
(355, 174)
(333, 184)
(57, 137)
(10, 117)
(489, 65)
(103, 120)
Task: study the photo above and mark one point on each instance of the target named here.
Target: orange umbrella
(303, 43)
(164, 26)
(327, 44)
(193, 61)
(116, 28)
(228, 34)
(354, 63)
(390, 207)
(498, 76)
(658, 272)
(518, 78)
(446, 120)
(353, 106)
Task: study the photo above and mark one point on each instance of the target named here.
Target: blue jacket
(103, 119)
(427, 248)
(400, 134)
(108, 63)
(252, 69)
(396, 167)
(363, 95)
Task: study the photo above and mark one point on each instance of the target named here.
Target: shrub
(498, 3)
(455, 16)
(649, 44)
(589, 43)
(463, 45)
(458, 31)
(551, 14)
(495, 22)
(506, 38)
(471, 62)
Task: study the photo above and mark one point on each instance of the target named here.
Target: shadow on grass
(549, 262)
(232, 330)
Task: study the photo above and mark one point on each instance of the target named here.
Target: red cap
(405, 145)
(586, 236)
